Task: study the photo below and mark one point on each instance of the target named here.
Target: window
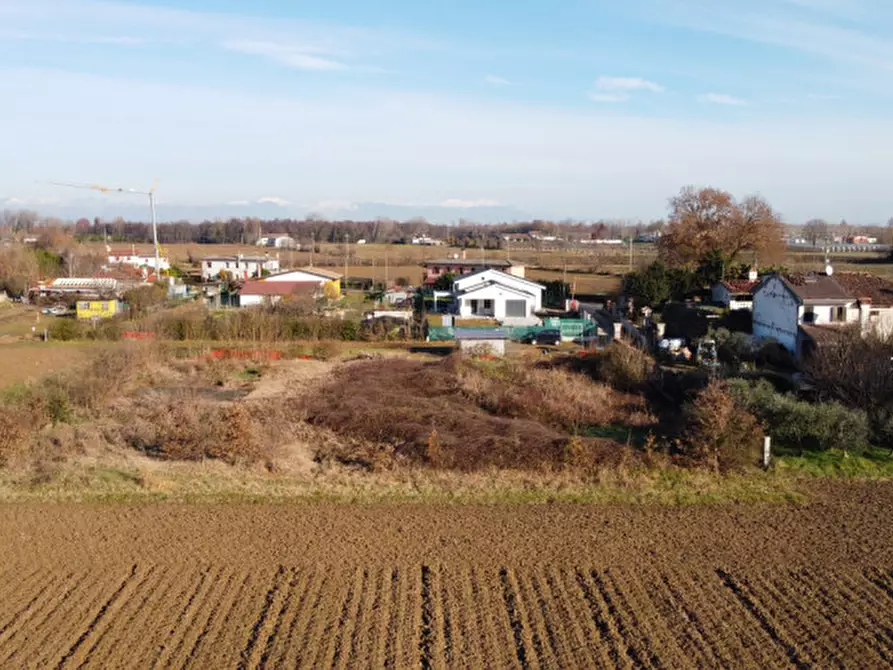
(227, 265)
(84, 305)
(808, 315)
(516, 308)
(105, 306)
(488, 304)
(838, 314)
(209, 264)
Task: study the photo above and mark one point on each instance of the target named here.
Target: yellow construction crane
(111, 189)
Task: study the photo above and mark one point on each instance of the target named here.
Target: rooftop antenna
(110, 189)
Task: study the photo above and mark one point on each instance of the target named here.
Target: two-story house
(789, 308)
(239, 267)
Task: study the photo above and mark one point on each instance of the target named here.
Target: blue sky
(568, 108)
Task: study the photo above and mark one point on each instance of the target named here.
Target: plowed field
(326, 585)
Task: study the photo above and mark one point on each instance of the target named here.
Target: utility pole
(346, 258)
(630, 253)
(386, 268)
(312, 245)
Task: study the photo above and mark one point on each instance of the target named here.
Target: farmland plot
(431, 586)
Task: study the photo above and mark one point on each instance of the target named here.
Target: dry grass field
(436, 586)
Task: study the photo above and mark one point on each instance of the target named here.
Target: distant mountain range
(108, 209)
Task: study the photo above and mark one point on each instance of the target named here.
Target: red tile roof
(862, 286)
(740, 285)
(261, 287)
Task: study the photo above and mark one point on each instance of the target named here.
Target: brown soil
(322, 585)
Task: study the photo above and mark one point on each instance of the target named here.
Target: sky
(570, 108)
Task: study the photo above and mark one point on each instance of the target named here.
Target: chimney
(463, 254)
(753, 275)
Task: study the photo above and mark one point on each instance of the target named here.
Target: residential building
(263, 292)
(240, 267)
(97, 309)
(137, 259)
(278, 242)
(787, 308)
(463, 266)
(320, 276)
(509, 299)
(735, 294)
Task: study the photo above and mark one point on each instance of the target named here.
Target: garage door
(517, 308)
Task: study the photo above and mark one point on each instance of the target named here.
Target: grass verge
(212, 482)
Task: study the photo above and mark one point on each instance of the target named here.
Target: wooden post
(767, 451)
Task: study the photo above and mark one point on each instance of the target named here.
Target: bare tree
(709, 222)
(815, 231)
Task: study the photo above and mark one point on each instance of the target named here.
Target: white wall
(776, 313)
(238, 268)
(823, 313)
(496, 347)
(140, 261)
(741, 304)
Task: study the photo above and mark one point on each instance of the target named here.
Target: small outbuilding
(478, 341)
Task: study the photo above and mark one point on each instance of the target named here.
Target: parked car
(549, 336)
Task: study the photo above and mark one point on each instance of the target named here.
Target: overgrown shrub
(183, 428)
(858, 372)
(799, 424)
(720, 435)
(623, 367)
(65, 329)
(463, 415)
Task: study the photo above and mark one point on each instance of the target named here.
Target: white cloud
(238, 203)
(722, 99)
(389, 154)
(823, 28)
(466, 204)
(289, 55)
(273, 200)
(493, 80)
(620, 89)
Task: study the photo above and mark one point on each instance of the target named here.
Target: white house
(507, 298)
(137, 259)
(263, 292)
(240, 267)
(278, 242)
(783, 305)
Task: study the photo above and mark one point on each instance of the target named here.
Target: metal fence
(570, 329)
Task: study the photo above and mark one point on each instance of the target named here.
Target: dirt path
(338, 585)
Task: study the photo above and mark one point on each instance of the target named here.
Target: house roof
(473, 262)
(480, 334)
(261, 287)
(321, 272)
(822, 334)
(511, 277)
(244, 259)
(740, 285)
(864, 286)
(493, 282)
(816, 288)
